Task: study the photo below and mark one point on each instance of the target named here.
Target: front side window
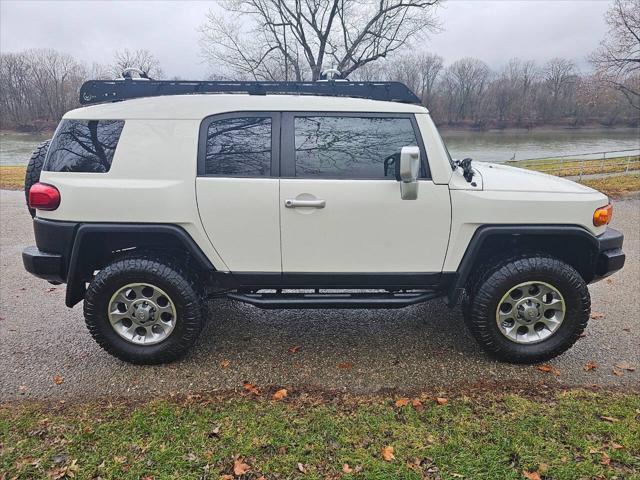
(239, 147)
(350, 147)
(83, 146)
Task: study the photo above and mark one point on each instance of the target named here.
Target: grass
(616, 185)
(559, 435)
(570, 168)
(12, 178)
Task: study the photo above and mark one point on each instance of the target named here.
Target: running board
(333, 300)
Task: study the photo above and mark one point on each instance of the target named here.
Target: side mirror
(408, 172)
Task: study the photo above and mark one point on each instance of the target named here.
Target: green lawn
(574, 167)
(557, 435)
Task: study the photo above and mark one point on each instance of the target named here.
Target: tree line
(298, 39)
(37, 86)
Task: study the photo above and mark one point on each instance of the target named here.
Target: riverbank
(272, 433)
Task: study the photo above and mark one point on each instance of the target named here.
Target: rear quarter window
(84, 146)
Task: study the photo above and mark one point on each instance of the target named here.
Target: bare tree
(141, 59)
(465, 82)
(618, 59)
(297, 39)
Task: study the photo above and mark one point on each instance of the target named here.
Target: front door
(340, 204)
(237, 189)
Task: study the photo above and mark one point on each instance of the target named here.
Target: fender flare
(118, 236)
(486, 232)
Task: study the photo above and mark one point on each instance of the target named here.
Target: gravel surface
(425, 347)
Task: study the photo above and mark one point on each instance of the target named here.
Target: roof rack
(98, 91)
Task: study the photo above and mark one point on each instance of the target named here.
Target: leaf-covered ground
(557, 435)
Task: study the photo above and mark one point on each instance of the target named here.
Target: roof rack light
(98, 91)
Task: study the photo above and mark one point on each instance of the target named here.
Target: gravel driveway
(425, 347)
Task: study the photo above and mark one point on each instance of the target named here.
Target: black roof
(98, 91)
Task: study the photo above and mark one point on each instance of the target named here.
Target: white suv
(301, 195)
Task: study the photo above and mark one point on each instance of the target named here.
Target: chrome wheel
(530, 312)
(142, 314)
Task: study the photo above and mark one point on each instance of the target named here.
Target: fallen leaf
(546, 368)
(531, 475)
(402, 402)
(387, 453)
(457, 475)
(442, 400)
(617, 373)
(251, 388)
(609, 419)
(226, 477)
(147, 477)
(597, 316)
(616, 446)
(190, 457)
(294, 349)
(345, 366)
(119, 459)
(301, 468)
(215, 432)
(593, 451)
(417, 404)
(239, 467)
(58, 379)
(625, 366)
(225, 364)
(605, 460)
(346, 468)
(590, 366)
(280, 394)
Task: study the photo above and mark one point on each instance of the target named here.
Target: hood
(499, 177)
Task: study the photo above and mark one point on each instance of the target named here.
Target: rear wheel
(34, 168)
(527, 309)
(144, 309)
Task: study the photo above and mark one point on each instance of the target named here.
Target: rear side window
(350, 147)
(84, 146)
(239, 147)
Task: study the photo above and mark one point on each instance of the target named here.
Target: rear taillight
(44, 197)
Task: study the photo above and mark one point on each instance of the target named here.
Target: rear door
(237, 189)
(356, 221)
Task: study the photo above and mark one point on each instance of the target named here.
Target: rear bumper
(44, 265)
(610, 255)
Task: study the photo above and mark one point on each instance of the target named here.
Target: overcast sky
(492, 30)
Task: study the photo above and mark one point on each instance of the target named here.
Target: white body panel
(364, 227)
(241, 218)
(151, 180)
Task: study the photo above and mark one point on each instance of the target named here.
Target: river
(493, 146)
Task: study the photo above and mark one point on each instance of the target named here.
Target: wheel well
(571, 244)
(577, 252)
(96, 245)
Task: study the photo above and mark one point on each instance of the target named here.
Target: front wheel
(528, 309)
(144, 309)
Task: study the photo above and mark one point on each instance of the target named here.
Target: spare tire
(33, 171)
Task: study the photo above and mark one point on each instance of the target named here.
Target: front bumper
(610, 255)
(43, 265)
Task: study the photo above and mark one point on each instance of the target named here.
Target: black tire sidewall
(34, 169)
(483, 306)
(179, 290)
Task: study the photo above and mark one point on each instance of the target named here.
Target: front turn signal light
(602, 216)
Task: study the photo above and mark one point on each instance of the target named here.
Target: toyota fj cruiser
(334, 194)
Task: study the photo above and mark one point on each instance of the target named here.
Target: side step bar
(333, 300)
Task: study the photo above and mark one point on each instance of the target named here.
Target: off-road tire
(488, 287)
(168, 275)
(34, 167)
